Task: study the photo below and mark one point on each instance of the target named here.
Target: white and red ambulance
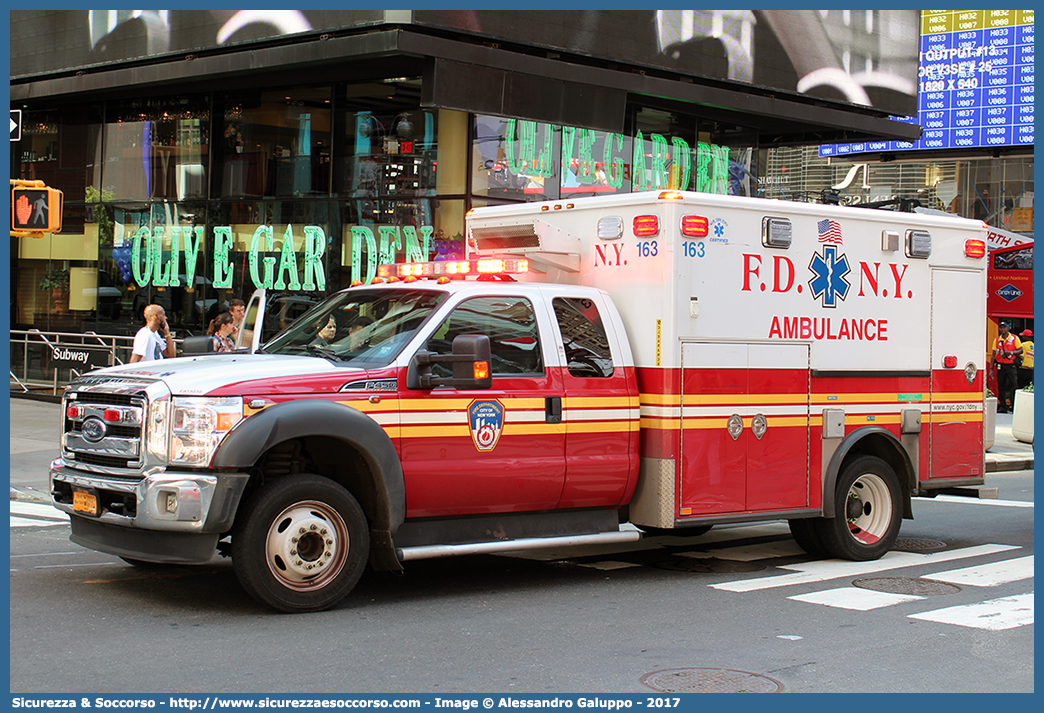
(672, 360)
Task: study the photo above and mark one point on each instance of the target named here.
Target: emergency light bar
(458, 268)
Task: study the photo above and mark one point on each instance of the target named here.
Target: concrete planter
(1022, 416)
(989, 422)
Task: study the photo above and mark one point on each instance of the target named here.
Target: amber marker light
(646, 225)
(482, 370)
(694, 226)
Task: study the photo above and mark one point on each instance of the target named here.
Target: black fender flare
(315, 417)
(886, 446)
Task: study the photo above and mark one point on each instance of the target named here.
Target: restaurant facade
(205, 154)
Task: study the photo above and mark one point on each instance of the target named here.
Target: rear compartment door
(955, 424)
(745, 426)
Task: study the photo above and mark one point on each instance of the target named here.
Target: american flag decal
(829, 231)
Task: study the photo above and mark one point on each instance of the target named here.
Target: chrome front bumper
(163, 500)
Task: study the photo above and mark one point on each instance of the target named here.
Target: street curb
(49, 398)
(1008, 464)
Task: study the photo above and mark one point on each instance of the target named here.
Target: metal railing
(34, 368)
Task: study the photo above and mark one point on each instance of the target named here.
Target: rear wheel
(301, 545)
(867, 511)
(804, 532)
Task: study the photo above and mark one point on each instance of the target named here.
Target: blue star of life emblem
(829, 281)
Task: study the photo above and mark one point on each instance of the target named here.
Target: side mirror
(197, 345)
(469, 360)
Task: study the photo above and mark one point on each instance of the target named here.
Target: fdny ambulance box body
(768, 336)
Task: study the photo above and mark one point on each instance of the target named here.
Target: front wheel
(867, 511)
(301, 545)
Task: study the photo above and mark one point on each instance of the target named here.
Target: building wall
(191, 200)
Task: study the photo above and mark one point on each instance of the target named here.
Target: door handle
(759, 425)
(553, 409)
(735, 426)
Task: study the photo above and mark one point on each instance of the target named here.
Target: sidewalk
(36, 426)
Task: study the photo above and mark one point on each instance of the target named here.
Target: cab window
(583, 336)
(509, 322)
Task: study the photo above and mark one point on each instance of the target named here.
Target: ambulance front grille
(506, 237)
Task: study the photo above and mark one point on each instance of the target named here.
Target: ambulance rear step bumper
(420, 552)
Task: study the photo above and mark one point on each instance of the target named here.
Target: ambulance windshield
(360, 327)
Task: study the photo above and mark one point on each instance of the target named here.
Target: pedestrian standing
(221, 330)
(1026, 368)
(153, 341)
(1005, 350)
(237, 308)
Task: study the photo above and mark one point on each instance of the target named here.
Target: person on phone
(153, 341)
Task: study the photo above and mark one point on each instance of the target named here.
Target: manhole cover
(706, 566)
(709, 680)
(905, 585)
(917, 544)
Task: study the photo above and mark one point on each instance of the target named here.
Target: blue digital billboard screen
(975, 83)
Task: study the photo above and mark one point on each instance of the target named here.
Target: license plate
(86, 502)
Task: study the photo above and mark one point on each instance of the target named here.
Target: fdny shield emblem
(486, 419)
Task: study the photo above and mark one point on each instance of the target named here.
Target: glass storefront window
(391, 155)
(159, 256)
(515, 159)
(376, 232)
(157, 149)
(594, 162)
(391, 147)
(520, 160)
(275, 143)
(62, 149)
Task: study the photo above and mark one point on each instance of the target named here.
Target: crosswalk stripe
(37, 515)
(977, 501)
(27, 522)
(37, 509)
(819, 571)
(855, 598)
(987, 575)
(992, 615)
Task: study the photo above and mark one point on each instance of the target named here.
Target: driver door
(467, 452)
(250, 331)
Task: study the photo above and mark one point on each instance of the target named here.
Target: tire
(301, 545)
(804, 532)
(676, 532)
(868, 511)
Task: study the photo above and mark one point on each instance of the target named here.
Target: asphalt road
(738, 608)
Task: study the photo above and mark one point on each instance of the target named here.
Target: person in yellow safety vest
(1026, 369)
(1005, 349)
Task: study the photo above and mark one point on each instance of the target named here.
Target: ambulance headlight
(198, 425)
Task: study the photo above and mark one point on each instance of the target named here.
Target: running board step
(421, 552)
(972, 492)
